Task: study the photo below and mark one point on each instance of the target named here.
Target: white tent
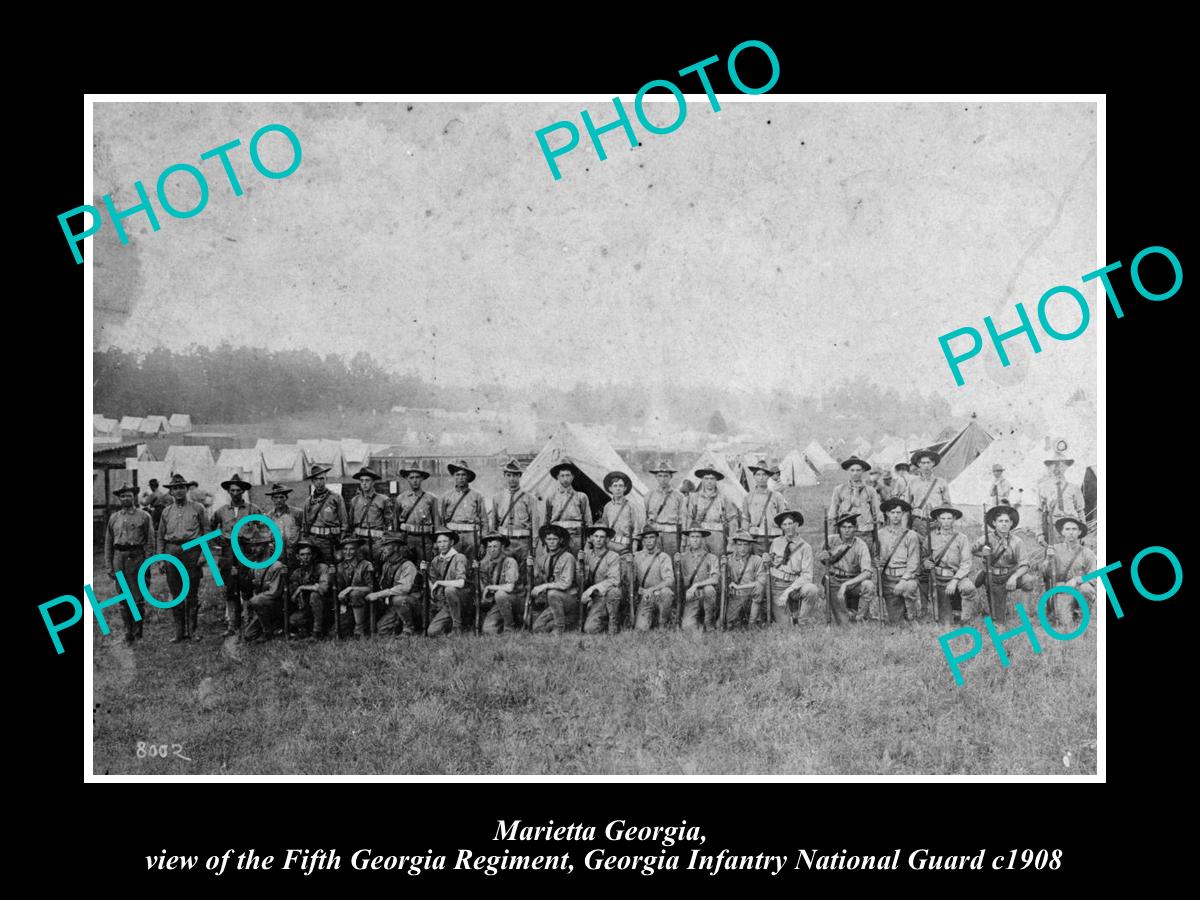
(729, 486)
(102, 425)
(283, 462)
(326, 453)
(795, 470)
(131, 423)
(893, 453)
(263, 442)
(970, 489)
(180, 423)
(817, 455)
(186, 457)
(246, 461)
(155, 425)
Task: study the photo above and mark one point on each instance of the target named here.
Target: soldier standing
(513, 514)
(625, 519)
(665, 508)
(791, 571)
(926, 490)
(182, 521)
(856, 497)
(567, 507)
(761, 506)
(848, 567)
(500, 575)
(371, 513)
(290, 520)
(266, 588)
(417, 514)
(154, 501)
(1057, 497)
(747, 578)
(449, 584)
(311, 586)
(602, 572)
(948, 561)
(700, 570)
(398, 589)
(235, 575)
(1066, 563)
(555, 582)
(463, 510)
(128, 540)
(1006, 560)
(325, 519)
(355, 579)
(899, 563)
(654, 579)
(708, 510)
(999, 490)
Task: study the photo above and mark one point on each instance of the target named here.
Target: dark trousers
(187, 612)
(127, 562)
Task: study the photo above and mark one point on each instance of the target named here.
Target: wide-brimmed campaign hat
(934, 513)
(790, 514)
(903, 464)
(744, 536)
(599, 526)
(921, 454)
(178, 480)
(997, 467)
(413, 470)
(564, 463)
(648, 530)
(852, 518)
(995, 511)
(696, 529)
(317, 469)
(616, 476)
(495, 536)
(364, 472)
(305, 542)
(460, 465)
(702, 473)
(512, 467)
(1083, 529)
(561, 533)
(662, 466)
(125, 489)
(855, 461)
(893, 503)
(393, 537)
(762, 466)
(277, 489)
(351, 539)
(448, 532)
(236, 481)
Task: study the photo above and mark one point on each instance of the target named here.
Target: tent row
(177, 423)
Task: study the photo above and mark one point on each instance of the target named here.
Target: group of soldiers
(421, 564)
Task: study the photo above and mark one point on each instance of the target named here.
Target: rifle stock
(527, 620)
(828, 580)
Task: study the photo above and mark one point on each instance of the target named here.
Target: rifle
(425, 593)
(287, 636)
(677, 570)
(769, 560)
(1048, 539)
(633, 598)
(828, 580)
(478, 581)
(723, 574)
(935, 589)
(987, 575)
(582, 587)
(527, 620)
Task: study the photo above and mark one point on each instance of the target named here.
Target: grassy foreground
(782, 701)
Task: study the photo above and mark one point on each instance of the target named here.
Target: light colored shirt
(907, 552)
(653, 570)
(665, 507)
(849, 498)
(951, 553)
(557, 571)
(624, 518)
(601, 570)
(711, 511)
(1080, 560)
(1062, 498)
(268, 583)
(699, 568)
(397, 578)
(856, 559)
(797, 555)
(463, 508)
(928, 494)
(568, 507)
(759, 509)
(503, 571)
(326, 510)
(372, 511)
(513, 512)
(416, 511)
(747, 571)
(131, 526)
(181, 522)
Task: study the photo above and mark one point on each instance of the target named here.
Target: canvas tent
(155, 425)
(594, 457)
(326, 453)
(796, 471)
(246, 461)
(102, 425)
(970, 489)
(283, 462)
(893, 453)
(960, 449)
(820, 459)
(180, 423)
(355, 453)
(185, 458)
(730, 486)
(131, 424)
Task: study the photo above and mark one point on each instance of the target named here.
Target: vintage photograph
(657, 468)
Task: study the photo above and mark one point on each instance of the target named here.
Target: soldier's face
(513, 479)
(856, 473)
(710, 483)
(846, 530)
(126, 501)
(442, 543)
(318, 481)
(366, 484)
(946, 521)
(566, 478)
(1058, 468)
(493, 549)
(650, 542)
(925, 465)
(895, 514)
(305, 556)
(790, 527)
(997, 473)
(617, 489)
(760, 478)
(552, 542)
(350, 551)
(280, 501)
(1002, 523)
(599, 540)
(414, 482)
(460, 479)
(178, 494)
(695, 541)
(664, 479)
(741, 549)
(1070, 531)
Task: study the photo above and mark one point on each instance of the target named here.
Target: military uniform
(313, 610)
(998, 492)
(359, 574)
(290, 520)
(699, 569)
(371, 515)
(927, 494)
(570, 509)
(759, 509)
(1067, 564)
(506, 609)
(463, 512)
(750, 571)
(1008, 560)
(857, 499)
(713, 513)
(325, 517)
(235, 575)
(266, 599)
(848, 560)
(1060, 498)
(665, 511)
(514, 515)
(558, 570)
(179, 524)
(399, 583)
(602, 570)
(794, 567)
(417, 515)
(900, 567)
(128, 541)
(654, 573)
(452, 605)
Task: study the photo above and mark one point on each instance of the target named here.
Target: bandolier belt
(325, 529)
(370, 532)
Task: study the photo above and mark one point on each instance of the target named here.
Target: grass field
(859, 700)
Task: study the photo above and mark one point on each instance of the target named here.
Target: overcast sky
(776, 243)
